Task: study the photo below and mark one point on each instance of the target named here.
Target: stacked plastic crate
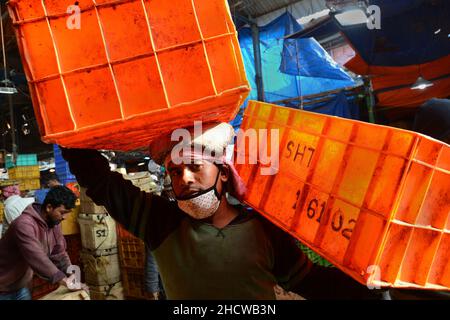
(99, 255)
(132, 263)
(142, 180)
(62, 167)
(132, 249)
(25, 171)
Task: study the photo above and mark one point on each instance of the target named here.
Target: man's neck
(224, 215)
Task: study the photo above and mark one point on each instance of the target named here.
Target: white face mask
(201, 205)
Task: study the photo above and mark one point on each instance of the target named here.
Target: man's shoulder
(24, 221)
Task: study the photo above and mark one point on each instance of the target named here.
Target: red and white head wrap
(211, 145)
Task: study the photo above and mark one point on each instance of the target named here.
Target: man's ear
(48, 208)
(224, 173)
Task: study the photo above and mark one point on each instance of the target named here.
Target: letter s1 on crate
(372, 200)
(98, 231)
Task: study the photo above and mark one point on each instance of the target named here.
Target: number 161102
(315, 211)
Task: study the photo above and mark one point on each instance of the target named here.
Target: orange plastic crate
(131, 249)
(373, 200)
(134, 69)
(133, 280)
(132, 252)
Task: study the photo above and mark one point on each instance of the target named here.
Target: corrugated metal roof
(258, 8)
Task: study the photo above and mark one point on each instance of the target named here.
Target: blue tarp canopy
(290, 68)
(338, 105)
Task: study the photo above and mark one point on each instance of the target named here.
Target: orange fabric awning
(392, 84)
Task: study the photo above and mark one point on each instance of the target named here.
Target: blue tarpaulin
(340, 106)
(307, 58)
(288, 72)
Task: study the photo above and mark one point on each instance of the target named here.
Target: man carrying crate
(34, 243)
(206, 247)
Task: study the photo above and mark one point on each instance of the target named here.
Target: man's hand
(71, 283)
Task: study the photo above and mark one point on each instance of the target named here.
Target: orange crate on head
(117, 73)
(373, 200)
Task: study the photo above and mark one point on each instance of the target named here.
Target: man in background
(34, 243)
(53, 181)
(14, 205)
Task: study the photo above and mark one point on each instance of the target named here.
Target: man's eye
(174, 173)
(195, 167)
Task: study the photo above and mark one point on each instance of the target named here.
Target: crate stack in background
(142, 180)
(132, 263)
(25, 171)
(62, 167)
(132, 249)
(99, 256)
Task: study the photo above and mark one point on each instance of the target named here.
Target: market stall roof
(265, 11)
(413, 41)
(412, 32)
(321, 28)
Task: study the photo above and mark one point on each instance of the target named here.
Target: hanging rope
(3, 45)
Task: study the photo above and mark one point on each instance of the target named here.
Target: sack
(63, 293)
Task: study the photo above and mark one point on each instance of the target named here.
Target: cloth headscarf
(210, 146)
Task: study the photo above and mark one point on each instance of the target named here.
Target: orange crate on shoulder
(371, 199)
(2, 211)
(146, 72)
